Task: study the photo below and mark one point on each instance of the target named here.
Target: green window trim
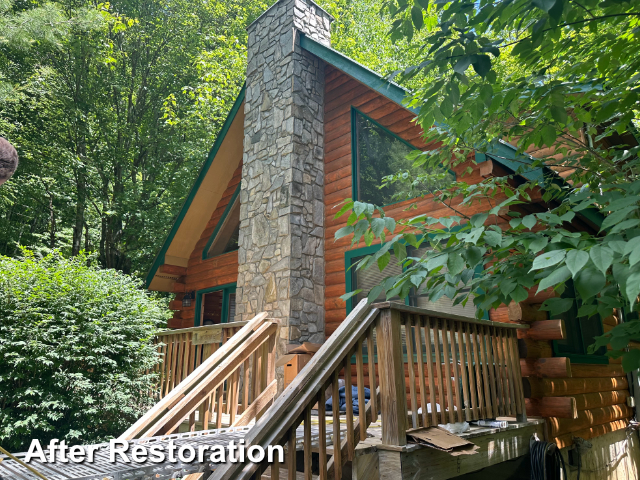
(226, 291)
(354, 152)
(213, 236)
(350, 255)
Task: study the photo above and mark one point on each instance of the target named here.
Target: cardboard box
(293, 364)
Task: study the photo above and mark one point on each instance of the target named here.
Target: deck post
(393, 401)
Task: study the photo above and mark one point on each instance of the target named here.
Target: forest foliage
(76, 346)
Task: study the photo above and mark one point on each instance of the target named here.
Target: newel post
(393, 402)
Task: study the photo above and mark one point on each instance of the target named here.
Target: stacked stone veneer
(281, 254)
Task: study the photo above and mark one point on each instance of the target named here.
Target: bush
(75, 349)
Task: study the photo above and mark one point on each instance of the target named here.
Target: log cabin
(310, 128)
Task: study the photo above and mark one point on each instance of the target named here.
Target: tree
(113, 122)
(557, 74)
(76, 343)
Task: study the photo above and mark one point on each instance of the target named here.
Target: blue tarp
(343, 399)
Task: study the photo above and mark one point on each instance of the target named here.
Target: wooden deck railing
(233, 384)
(422, 368)
(183, 350)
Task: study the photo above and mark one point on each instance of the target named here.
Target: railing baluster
(456, 373)
(275, 467)
(447, 370)
(408, 334)
(463, 372)
(496, 367)
(491, 367)
(372, 374)
(485, 375)
(473, 337)
(361, 399)
(513, 351)
(219, 393)
(291, 452)
(438, 367)
(508, 369)
(167, 368)
(322, 435)
(349, 407)
(432, 387)
(308, 474)
(421, 376)
(501, 368)
(337, 458)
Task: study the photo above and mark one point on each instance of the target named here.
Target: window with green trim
(215, 305)
(367, 279)
(224, 238)
(377, 153)
(580, 333)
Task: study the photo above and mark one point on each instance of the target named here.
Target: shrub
(75, 350)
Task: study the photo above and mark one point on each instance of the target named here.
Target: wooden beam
(555, 367)
(175, 270)
(175, 305)
(528, 348)
(393, 404)
(601, 399)
(179, 287)
(551, 387)
(525, 313)
(587, 418)
(589, 370)
(560, 407)
(545, 330)
(566, 440)
(259, 405)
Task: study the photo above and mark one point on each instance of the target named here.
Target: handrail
(189, 383)
(308, 387)
(458, 369)
(219, 326)
(182, 350)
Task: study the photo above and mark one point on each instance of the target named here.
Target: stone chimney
(281, 244)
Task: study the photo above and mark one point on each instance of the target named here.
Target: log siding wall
(212, 272)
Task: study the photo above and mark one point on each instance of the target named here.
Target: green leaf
(374, 293)
(548, 259)
(631, 360)
(383, 260)
(519, 294)
(390, 223)
(462, 64)
(482, 64)
(557, 276)
(343, 232)
(478, 219)
(455, 264)
(589, 282)
(633, 288)
(545, 5)
(473, 255)
(556, 306)
(602, 257)
(493, 238)
(438, 261)
(529, 221)
(446, 107)
(348, 295)
(539, 243)
(559, 114)
(576, 259)
(417, 18)
(549, 135)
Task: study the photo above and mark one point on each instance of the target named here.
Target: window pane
(232, 307)
(444, 304)
(227, 236)
(211, 309)
(379, 153)
(369, 278)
